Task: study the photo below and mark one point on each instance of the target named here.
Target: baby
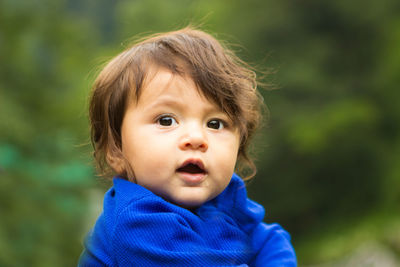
(171, 117)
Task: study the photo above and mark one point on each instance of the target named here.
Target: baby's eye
(215, 124)
(166, 121)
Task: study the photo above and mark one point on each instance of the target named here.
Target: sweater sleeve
(274, 246)
(96, 252)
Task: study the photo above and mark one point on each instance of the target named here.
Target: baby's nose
(195, 138)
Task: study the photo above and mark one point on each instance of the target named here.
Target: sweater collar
(233, 201)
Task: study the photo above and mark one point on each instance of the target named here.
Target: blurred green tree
(46, 53)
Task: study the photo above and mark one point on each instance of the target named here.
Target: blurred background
(328, 158)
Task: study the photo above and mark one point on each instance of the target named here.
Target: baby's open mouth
(192, 172)
(192, 167)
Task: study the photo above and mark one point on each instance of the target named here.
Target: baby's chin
(189, 197)
(190, 202)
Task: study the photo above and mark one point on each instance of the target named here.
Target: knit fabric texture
(138, 228)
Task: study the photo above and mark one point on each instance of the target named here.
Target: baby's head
(174, 113)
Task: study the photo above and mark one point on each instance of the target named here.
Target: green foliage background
(328, 158)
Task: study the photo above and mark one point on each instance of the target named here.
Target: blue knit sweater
(138, 228)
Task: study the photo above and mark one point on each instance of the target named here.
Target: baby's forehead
(163, 87)
(164, 81)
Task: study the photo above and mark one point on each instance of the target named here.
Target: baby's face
(181, 146)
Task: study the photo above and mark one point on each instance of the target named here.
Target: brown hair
(220, 76)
